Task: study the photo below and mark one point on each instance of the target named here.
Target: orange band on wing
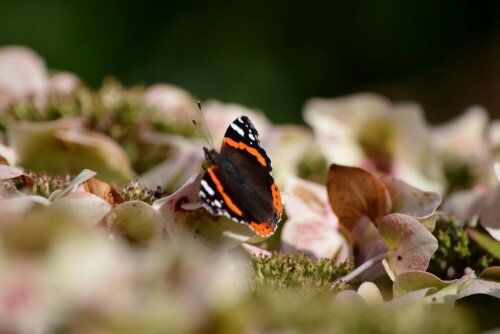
(264, 229)
(220, 189)
(276, 199)
(243, 146)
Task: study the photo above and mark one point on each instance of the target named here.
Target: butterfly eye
(205, 164)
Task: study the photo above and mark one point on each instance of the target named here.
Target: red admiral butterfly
(238, 183)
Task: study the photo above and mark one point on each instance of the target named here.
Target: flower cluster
(102, 229)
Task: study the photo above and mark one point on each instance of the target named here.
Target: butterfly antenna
(206, 134)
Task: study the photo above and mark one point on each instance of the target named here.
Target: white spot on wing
(237, 129)
(251, 136)
(207, 188)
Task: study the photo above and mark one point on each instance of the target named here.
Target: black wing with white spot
(211, 197)
(242, 132)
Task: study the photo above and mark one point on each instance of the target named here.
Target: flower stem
(369, 263)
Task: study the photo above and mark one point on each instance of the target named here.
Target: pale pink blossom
(22, 75)
(367, 131)
(311, 227)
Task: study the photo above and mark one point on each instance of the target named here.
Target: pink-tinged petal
(175, 104)
(429, 221)
(197, 284)
(312, 227)
(416, 280)
(13, 209)
(23, 306)
(63, 83)
(388, 270)
(497, 170)
(349, 298)
(416, 176)
(494, 145)
(98, 152)
(466, 204)
(351, 111)
(287, 145)
(409, 243)
(306, 197)
(414, 159)
(487, 283)
(220, 115)
(171, 207)
(407, 299)
(137, 221)
(494, 133)
(169, 174)
(87, 207)
(484, 241)
(463, 142)
(338, 122)
(22, 75)
(371, 293)
(442, 293)
(256, 251)
(489, 217)
(410, 200)
(8, 154)
(28, 139)
(369, 244)
(73, 185)
(199, 226)
(464, 136)
(9, 172)
(84, 270)
(313, 235)
(67, 148)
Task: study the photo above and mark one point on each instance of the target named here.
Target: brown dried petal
(354, 193)
(103, 190)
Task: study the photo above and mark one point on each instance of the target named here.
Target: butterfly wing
(242, 135)
(239, 183)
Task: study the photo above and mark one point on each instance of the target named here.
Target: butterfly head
(210, 154)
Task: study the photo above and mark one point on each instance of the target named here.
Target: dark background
(274, 55)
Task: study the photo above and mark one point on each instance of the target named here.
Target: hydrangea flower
(68, 147)
(384, 214)
(23, 76)
(367, 131)
(463, 146)
(311, 227)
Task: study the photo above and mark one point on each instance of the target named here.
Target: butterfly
(238, 182)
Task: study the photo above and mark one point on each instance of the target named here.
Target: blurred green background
(274, 55)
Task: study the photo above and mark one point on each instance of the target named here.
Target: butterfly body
(238, 182)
